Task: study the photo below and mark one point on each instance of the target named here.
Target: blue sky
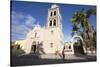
(24, 15)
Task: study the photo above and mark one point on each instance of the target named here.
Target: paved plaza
(33, 59)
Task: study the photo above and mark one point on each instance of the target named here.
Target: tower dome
(54, 6)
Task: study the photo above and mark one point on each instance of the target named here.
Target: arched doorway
(78, 45)
(33, 47)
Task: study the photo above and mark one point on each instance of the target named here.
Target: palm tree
(81, 19)
(89, 13)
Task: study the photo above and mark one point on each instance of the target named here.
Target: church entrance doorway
(33, 47)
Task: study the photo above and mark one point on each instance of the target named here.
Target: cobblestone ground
(33, 59)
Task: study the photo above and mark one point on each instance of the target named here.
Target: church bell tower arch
(54, 17)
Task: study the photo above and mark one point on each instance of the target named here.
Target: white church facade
(49, 39)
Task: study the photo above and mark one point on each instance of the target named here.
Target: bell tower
(54, 17)
(54, 38)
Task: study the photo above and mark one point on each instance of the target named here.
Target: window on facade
(51, 44)
(50, 23)
(51, 14)
(51, 31)
(54, 13)
(54, 22)
(69, 47)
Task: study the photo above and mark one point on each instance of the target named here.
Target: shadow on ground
(33, 59)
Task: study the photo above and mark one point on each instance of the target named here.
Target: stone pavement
(71, 56)
(33, 59)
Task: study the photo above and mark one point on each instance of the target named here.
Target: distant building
(69, 49)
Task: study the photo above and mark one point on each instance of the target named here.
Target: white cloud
(21, 24)
(30, 20)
